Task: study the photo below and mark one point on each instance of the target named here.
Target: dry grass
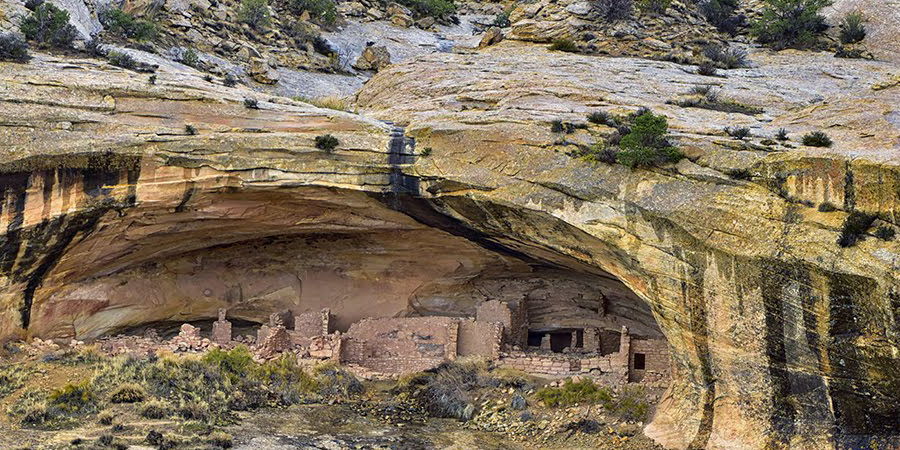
(327, 102)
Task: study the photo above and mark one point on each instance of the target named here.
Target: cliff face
(779, 336)
(116, 216)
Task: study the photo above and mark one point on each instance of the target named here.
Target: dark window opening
(579, 338)
(639, 361)
(559, 341)
(534, 339)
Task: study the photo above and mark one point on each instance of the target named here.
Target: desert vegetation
(791, 23)
(48, 26)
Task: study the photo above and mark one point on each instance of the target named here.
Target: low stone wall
(542, 363)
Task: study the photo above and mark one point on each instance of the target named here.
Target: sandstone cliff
(116, 214)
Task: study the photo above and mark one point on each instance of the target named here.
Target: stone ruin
(389, 347)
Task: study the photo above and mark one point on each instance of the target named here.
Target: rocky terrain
(133, 198)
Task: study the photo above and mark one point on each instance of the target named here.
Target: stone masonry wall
(479, 339)
(515, 330)
(401, 345)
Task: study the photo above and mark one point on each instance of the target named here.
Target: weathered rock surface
(779, 337)
(115, 216)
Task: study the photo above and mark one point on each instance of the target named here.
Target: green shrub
(707, 69)
(630, 404)
(602, 118)
(123, 60)
(885, 233)
(782, 134)
(790, 23)
(127, 26)
(564, 45)
(190, 130)
(13, 48)
(49, 26)
(151, 79)
(256, 13)
(326, 142)
(251, 103)
(720, 13)
(73, 398)
(707, 98)
(234, 364)
(189, 58)
(321, 11)
(725, 56)
(220, 439)
(12, 378)
(335, 382)
(739, 133)
(654, 6)
(229, 80)
(854, 228)
(439, 9)
(852, 28)
(646, 144)
(128, 393)
(155, 409)
(613, 10)
(445, 391)
(817, 139)
(501, 20)
(584, 392)
(426, 152)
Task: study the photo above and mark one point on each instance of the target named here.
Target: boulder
(263, 72)
(373, 57)
(490, 37)
(402, 20)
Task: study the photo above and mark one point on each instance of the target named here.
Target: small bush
(654, 6)
(501, 20)
(128, 393)
(12, 378)
(584, 392)
(707, 69)
(613, 10)
(49, 26)
(13, 48)
(256, 13)
(123, 60)
(727, 57)
(155, 409)
(194, 410)
(602, 118)
(106, 418)
(439, 9)
(251, 103)
(855, 226)
(827, 207)
(782, 135)
(151, 79)
(154, 437)
(220, 439)
(739, 133)
(105, 440)
(94, 47)
(817, 139)
(790, 23)
(557, 126)
(189, 58)
(852, 28)
(335, 382)
(321, 11)
(646, 144)
(326, 142)
(739, 174)
(230, 80)
(125, 25)
(564, 45)
(426, 152)
(73, 398)
(720, 13)
(190, 129)
(445, 391)
(631, 404)
(885, 233)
